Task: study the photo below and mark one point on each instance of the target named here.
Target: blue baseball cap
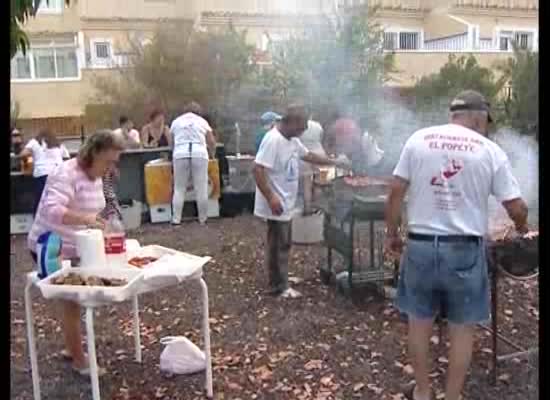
(269, 117)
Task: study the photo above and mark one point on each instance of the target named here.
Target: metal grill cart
(348, 209)
(517, 260)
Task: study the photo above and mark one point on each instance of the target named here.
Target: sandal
(67, 356)
(85, 371)
(408, 392)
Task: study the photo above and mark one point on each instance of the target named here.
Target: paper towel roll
(90, 247)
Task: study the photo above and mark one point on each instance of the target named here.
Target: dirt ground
(321, 346)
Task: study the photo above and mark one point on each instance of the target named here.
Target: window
(102, 50)
(66, 62)
(51, 6)
(48, 63)
(408, 40)
(44, 63)
(21, 66)
(401, 40)
(524, 40)
(390, 40)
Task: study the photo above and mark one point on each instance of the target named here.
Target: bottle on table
(115, 242)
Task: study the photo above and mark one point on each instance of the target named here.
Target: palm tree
(21, 11)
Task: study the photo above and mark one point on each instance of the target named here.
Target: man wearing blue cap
(268, 121)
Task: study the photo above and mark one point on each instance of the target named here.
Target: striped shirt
(67, 188)
(112, 206)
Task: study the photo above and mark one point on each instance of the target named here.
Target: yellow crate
(158, 182)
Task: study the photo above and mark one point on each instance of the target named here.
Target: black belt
(445, 239)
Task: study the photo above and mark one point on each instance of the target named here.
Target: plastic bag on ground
(181, 356)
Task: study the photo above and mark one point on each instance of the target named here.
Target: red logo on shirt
(449, 170)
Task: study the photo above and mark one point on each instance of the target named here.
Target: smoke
(392, 122)
(523, 153)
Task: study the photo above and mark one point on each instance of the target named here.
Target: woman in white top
(192, 142)
(47, 154)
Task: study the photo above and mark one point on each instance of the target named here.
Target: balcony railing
(454, 42)
(507, 4)
(384, 4)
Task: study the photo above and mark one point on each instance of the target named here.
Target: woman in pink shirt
(72, 200)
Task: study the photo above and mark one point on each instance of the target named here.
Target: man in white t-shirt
(276, 171)
(312, 139)
(192, 141)
(448, 172)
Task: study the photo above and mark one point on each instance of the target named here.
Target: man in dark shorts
(448, 172)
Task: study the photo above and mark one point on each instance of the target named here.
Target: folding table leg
(137, 331)
(91, 352)
(206, 333)
(31, 342)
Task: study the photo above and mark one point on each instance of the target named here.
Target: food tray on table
(93, 294)
(157, 260)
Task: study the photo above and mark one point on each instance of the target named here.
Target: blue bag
(48, 254)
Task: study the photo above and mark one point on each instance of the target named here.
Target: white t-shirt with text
(281, 158)
(189, 136)
(452, 171)
(46, 160)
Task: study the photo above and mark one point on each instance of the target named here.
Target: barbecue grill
(345, 207)
(516, 259)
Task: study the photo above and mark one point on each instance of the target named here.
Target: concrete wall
(138, 9)
(488, 23)
(438, 25)
(415, 21)
(268, 6)
(56, 98)
(67, 21)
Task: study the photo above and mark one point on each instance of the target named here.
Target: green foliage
(521, 104)
(515, 105)
(179, 65)
(335, 63)
(21, 11)
(459, 73)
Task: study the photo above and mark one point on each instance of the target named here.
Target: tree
(178, 65)
(458, 74)
(334, 63)
(521, 103)
(21, 11)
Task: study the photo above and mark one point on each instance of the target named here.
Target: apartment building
(70, 46)
(423, 33)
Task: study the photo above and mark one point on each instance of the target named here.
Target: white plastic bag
(181, 356)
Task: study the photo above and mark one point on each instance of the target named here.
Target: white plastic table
(32, 279)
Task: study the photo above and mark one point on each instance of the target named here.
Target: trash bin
(131, 214)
